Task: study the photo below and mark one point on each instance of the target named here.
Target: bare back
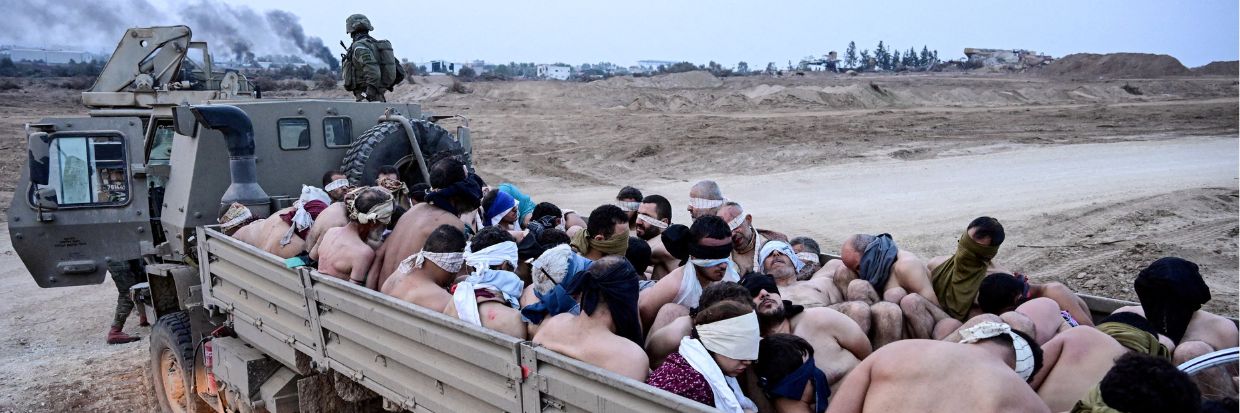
(1075, 361)
(839, 344)
(331, 217)
(934, 376)
(596, 346)
(409, 236)
(496, 316)
(343, 254)
(414, 288)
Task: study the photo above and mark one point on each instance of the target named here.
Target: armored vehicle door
(81, 201)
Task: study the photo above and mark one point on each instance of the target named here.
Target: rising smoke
(232, 32)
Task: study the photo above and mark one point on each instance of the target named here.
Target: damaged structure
(1004, 59)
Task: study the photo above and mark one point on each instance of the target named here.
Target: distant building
(557, 72)
(52, 57)
(653, 65)
(444, 67)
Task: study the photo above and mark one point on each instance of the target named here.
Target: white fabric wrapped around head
(493, 255)
(651, 221)
(448, 261)
(702, 203)
(302, 219)
(736, 338)
(989, 329)
(807, 256)
(628, 206)
(782, 248)
(337, 184)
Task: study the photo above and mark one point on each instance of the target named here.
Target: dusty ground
(1092, 180)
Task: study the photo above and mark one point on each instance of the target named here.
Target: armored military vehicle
(170, 141)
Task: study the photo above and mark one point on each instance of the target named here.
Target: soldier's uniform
(360, 68)
(125, 274)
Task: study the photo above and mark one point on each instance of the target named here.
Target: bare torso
(496, 315)
(818, 292)
(839, 344)
(1075, 361)
(272, 231)
(415, 288)
(576, 337)
(343, 254)
(934, 376)
(409, 236)
(661, 261)
(331, 217)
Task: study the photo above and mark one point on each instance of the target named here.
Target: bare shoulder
(819, 318)
(1135, 309)
(908, 260)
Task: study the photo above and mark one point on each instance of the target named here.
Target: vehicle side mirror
(45, 198)
(183, 120)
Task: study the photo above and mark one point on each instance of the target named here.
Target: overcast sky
(580, 31)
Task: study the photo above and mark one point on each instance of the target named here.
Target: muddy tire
(387, 144)
(172, 365)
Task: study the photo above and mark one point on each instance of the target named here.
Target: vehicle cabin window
(337, 132)
(88, 170)
(161, 150)
(294, 133)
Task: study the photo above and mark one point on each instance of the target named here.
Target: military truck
(166, 145)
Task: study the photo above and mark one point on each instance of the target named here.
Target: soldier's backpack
(391, 72)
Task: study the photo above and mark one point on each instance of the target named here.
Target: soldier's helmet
(357, 22)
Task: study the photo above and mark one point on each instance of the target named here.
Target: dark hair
(1224, 405)
(999, 292)
(445, 238)
(388, 170)
(638, 254)
(327, 176)
(488, 200)
(629, 192)
(1140, 383)
(662, 208)
(418, 191)
(676, 239)
(551, 237)
(779, 355)
(722, 310)
(709, 226)
(370, 198)
(807, 244)
(724, 291)
(604, 219)
(988, 227)
(489, 236)
(446, 172)
(546, 209)
(1132, 319)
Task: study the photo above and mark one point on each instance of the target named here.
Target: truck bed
(418, 359)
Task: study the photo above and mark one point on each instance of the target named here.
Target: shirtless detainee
(746, 240)
(336, 185)
(488, 296)
(1000, 292)
(654, 215)
(880, 320)
(423, 278)
(606, 233)
(956, 280)
(605, 331)
(550, 273)
(839, 344)
(937, 376)
(1172, 292)
(629, 199)
(343, 252)
(710, 248)
(1074, 361)
(705, 198)
(665, 341)
(454, 192)
(808, 251)
(890, 271)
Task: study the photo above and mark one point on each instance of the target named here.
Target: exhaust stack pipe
(239, 134)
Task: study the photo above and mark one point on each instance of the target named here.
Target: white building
(557, 72)
(52, 57)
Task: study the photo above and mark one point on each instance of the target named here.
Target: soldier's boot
(116, 336)
(142, 318)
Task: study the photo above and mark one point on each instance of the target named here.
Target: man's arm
(914, 276)
(649, 301)
(375, 267)
(1050, 355)
(357, 274)
(850, 397)
(666, 340)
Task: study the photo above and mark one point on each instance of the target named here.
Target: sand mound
(1222, 68)
(427, 88)
(1115, 65)
(688, 80)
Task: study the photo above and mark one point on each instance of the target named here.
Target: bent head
(547, 214)
(488, 237)
(739, 223)
(727, 312)
(447, 172)
(1000, 293)
(606, 221)
(853, 249)
(710, 240)
(370, 207)
(986, 231)
(724, 291)
(387, 172)
(1140, 383)
(444, 239)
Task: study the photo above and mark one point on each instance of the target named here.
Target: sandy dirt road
(56, 360)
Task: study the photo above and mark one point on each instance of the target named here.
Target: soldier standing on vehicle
(368, 67)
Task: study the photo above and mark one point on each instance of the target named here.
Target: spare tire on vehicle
(388, 144)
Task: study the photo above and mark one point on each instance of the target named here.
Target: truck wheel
(386, 144)
(172, 365)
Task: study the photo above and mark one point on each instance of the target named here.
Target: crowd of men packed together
(747, 319)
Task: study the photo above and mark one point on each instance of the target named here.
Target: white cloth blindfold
(736, 338)
(988, 329)
(702, 203)
(449, 261)
(493, 255)
(337, 184)
(649, 220)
